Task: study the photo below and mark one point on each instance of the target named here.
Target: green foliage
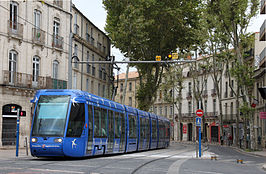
(142, 29)
(246, 110)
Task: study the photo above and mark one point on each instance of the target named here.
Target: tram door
(110, 144)
(90, 130)
(74, 143)
(123, 135)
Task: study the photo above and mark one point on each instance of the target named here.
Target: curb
(264, 167)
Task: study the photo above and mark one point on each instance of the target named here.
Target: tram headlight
(34, 140)
(58, 140)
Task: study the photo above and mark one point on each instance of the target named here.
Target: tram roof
(143, 113)
(82, 96)
(131, 109)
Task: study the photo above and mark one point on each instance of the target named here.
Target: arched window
(12, 65)
(35, 68)
(55, 69)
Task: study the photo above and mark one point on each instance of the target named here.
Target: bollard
(26, 145)
(239, 161)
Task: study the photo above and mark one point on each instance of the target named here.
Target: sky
(95, 12)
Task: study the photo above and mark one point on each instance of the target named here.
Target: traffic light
(169, 56)
(22, 113)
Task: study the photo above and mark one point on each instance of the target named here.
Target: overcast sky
(95, 12)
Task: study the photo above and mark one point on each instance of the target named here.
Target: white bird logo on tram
(74, 143)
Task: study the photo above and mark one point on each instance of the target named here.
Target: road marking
(174, 168)
(197, 171)
(56, 171)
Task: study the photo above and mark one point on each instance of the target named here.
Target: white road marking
(55, 171)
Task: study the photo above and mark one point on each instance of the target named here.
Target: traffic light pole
(133, 62)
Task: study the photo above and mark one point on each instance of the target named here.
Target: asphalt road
(179, 158)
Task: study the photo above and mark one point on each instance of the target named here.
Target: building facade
(35, 46)
(90, 44)
(131, 88)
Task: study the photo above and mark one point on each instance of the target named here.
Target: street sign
(174, 56)
(158, 58)
(198, 121)
(199, 112)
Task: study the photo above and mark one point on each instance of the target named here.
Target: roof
(131, 75)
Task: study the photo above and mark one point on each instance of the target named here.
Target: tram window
(76, 120)
(104, 123)
(154, 132)
(97, 122)
(111, 124)
(90, 115)
(117, 125)
(132, 126)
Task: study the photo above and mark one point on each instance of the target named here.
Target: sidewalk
(6, 154)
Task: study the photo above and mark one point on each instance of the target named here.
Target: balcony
(38, 36)
(263, 31)
(15, 29)
(263, 7)
(57, 42)
(213, 92)
(189, 95)
(22, 80)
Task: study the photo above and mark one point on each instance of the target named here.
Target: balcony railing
(15, 29)
(263, 31)
(263, 7)
(38, 36)
(57, 41)
(23, 80)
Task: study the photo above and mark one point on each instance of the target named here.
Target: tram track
(162, 158)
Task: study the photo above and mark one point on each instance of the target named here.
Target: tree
(143, 29)
(234, 17)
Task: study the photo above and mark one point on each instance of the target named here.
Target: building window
(225, 111)
(121, 87)
(189, 108)
(37, 19)
(76, 54)
(88, 65)
(161, 110)
(226, 90)
(103, 90)
(231, 93)
(92, 87)
(130, 101)
(56, 27)
(189, 87)
(12, 66)
(75, 81)
(155, 110)
(93, 67)
(87, 85)
(214, 106)
(130, 86)
(231, 110)
(35, 68)
(13, 15)
(165, 111)
(205, 105)
(55, 69)
(171, 110)
(58, 3)
(99, 89)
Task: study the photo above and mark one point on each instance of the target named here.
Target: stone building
(35, 47)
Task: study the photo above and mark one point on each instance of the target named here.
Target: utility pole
(69, 81)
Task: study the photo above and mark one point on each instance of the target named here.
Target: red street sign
(199, 112)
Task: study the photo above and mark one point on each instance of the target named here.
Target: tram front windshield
(50, 116)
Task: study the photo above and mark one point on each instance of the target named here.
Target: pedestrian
(222, 140)
(230, 140)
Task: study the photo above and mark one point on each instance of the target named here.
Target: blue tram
(76, 124)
